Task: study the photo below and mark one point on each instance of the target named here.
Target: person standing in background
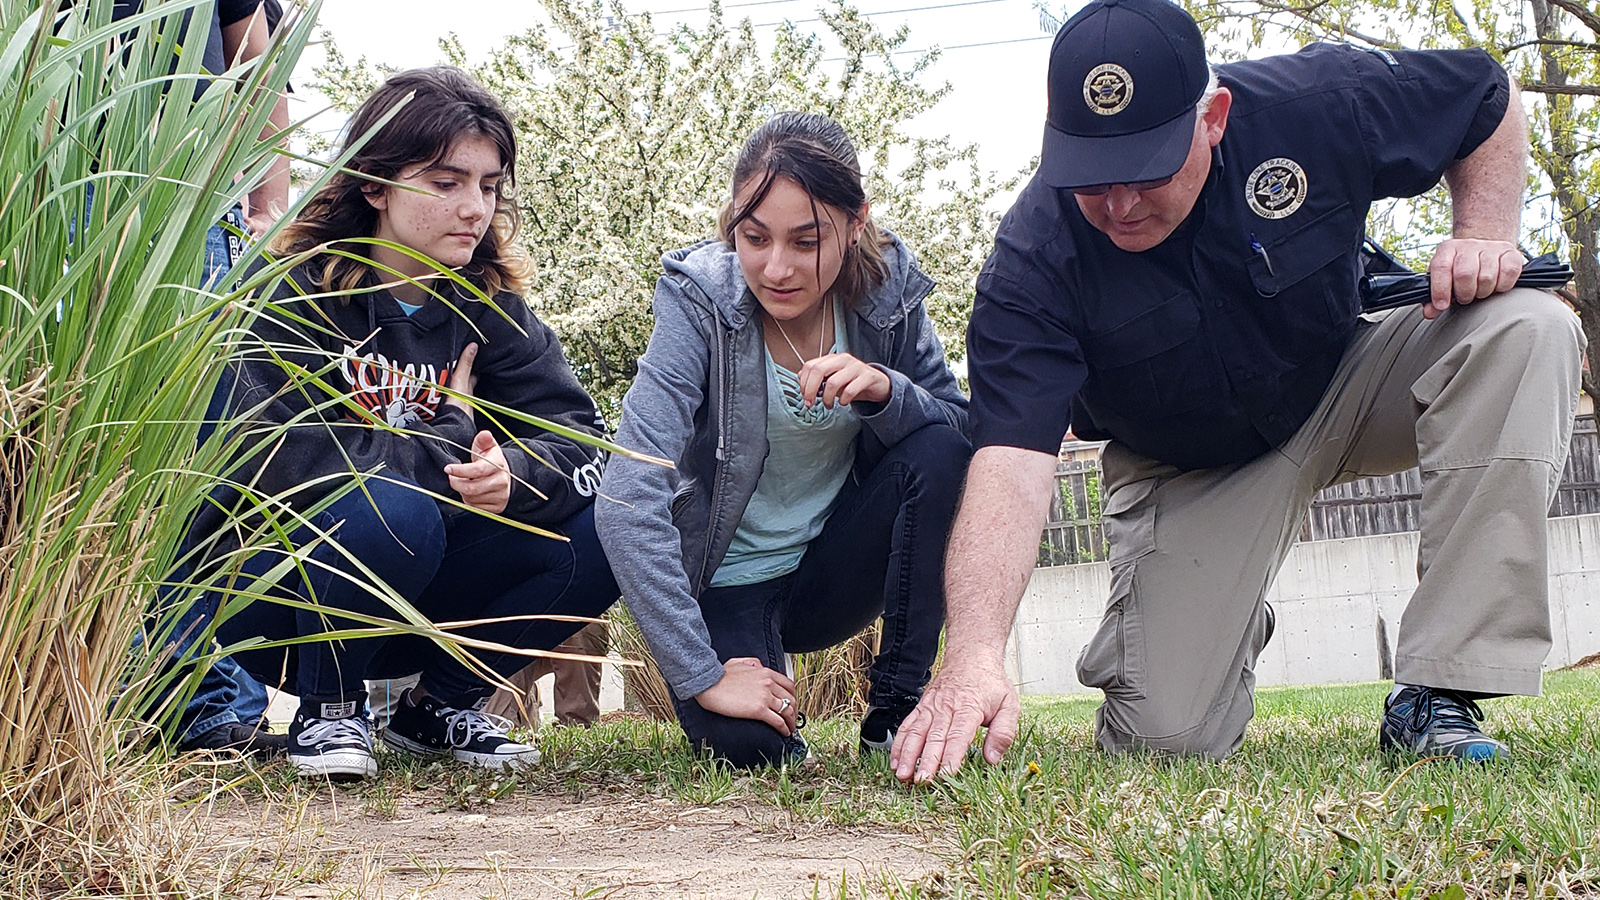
(576, 692)
(228, 708)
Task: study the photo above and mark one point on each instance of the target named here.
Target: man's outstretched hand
(933, 740)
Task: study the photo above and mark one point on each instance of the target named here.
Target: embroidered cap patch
(1107, 89)
(1276, 188)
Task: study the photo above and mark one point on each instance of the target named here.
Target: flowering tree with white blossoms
(627, 139)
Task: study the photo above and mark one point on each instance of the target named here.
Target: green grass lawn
(1309, 807)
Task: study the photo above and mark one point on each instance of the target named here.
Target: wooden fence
(1367, 506)
(1072, 532)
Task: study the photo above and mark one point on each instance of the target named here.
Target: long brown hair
(445, 106)
(814, 152)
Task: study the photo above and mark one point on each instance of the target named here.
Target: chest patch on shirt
(1107, 89)
(1276, 188)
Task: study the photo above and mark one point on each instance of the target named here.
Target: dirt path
(540, 847)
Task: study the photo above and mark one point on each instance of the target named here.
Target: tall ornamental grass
(107, 361)
(830, 682)
(111, 173)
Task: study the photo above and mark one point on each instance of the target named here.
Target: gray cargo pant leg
(1483, 396)
(1493, 388)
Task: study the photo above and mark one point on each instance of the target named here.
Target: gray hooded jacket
(700, 400)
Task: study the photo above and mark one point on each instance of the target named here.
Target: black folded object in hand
(1388, 284)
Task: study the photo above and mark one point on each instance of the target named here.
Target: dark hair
(445, 105)
(814, 152)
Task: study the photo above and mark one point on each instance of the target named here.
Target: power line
(673, 12)
(887, 12)
(1042, 37)
(884, 12)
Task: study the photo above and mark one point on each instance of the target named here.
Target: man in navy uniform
(1180, 277)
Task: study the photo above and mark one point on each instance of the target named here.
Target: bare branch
(1581, 45)
(1578, 90)
(1580, 12)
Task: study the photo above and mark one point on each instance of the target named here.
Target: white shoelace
(338, 731)
(466, 725)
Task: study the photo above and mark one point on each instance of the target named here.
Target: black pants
(881, 554)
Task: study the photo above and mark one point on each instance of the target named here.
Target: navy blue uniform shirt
(1217, 344)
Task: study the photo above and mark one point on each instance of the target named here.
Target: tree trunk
(1580, 220)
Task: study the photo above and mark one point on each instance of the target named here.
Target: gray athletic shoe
(1435, 722)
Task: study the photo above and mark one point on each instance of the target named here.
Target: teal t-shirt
(810, 454)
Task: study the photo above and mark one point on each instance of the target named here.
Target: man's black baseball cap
(1125, 76)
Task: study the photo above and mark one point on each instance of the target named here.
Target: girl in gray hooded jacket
(795, 379)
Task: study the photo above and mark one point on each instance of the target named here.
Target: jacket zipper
(719, 472)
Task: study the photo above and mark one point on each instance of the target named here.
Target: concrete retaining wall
(1338, 605)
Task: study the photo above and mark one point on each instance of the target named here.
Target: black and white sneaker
(429, 727)
(330, 738)
(879, 725)
(250, 740)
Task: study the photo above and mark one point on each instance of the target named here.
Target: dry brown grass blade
(830, 682)
(18, 407)
(644, 688)
(56, 762)
(73, 816)
(833, 682)
(158, 835)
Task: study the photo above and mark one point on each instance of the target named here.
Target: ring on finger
(783, 704)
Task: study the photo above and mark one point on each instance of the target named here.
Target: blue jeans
(225, 241)
(888, 528)
(467, 567)
(226, 694)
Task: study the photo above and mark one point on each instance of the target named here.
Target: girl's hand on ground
(750, 690)
(462, 381)
(841, 378)
(485, 482)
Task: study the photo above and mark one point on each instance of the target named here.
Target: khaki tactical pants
(577, 683)
(1482, 398)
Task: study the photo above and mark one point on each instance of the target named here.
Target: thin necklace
(822, 334)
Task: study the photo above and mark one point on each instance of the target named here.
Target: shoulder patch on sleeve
(1384, 55)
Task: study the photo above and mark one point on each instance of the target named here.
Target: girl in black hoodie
(384, 368)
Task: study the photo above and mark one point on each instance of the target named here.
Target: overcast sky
(994, 57)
